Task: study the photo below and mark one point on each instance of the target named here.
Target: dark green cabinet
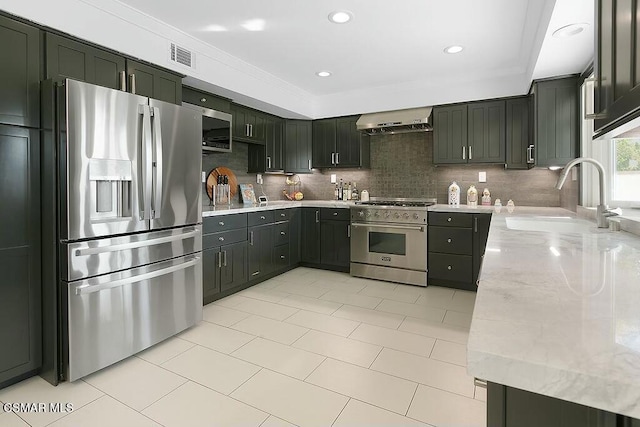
(248, 124)
(519, 138)
(20, 282)
(310, 236)
(20, 74)
(557, 121)
(617, 63)
(206, 100)
(270, 156)
(295, 217)
(486, 132)
(149, 81)
(260, 250)
(298, 146)
(67, 58)
(338, 144)
(450, 134)
(210, 274)
(456, 245)
(335, 243)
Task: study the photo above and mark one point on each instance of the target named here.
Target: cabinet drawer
(215, 224)
(205, 100)
(260, 218)
(224, 238)
(281, 257)
(281, 233)
(446, 219)
(282, 214)
(456, 268)
(340, 214)
(451, 240)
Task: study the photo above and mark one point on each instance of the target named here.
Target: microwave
(216, 129)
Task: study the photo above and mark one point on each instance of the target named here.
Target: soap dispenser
(454, 194)
(472, 196)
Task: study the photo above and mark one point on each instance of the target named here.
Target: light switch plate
(334, 178)
(482, 177)
(259, 179)
(574, 174)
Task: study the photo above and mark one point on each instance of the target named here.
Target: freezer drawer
(114, 316)
(95, 257)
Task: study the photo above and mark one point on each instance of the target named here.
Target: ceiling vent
(181, 55)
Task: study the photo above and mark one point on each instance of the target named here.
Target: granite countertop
(280, 204)
(558, 312)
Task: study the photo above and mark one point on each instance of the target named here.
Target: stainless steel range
(389, 240)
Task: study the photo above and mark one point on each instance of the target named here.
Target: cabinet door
(450, 134)
(258, 126)
(310, 235)
(68, 58)
(298, 146)
(154, 83)
(324, 143)
(234, 265)
(273, 142)
(481, 224)
(352, 146)
(20, 282)
(557, 121)
(335, 243)
(486, 132)
(19, 74)
(294, 235)
(240, 125)
(519, 144)
(260, 249)
(210, 273)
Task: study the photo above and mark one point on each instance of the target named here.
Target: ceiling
(390, 56)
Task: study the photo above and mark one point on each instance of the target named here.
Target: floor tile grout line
(316, 368)
(412, 397)
(172, 357)
(255, 337)
(341, 411)
(74, 410)
(375, 358)
(244, 382)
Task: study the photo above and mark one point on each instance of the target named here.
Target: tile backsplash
(402, 166)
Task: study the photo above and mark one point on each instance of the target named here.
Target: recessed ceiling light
(570, 30)
(340, 16)
(323, 73)
(453, 49)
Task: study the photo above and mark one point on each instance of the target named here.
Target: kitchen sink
(550, 224)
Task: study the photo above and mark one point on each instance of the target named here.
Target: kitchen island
(557, 314)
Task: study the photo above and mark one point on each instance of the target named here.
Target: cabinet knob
(203, 99)
(449, 219)
(282, 233)
(448, 267)
(335, 214)
(221, 239)
(448, 240)
(263, 217)
(282, 215)
(281, 256)
(221, 223)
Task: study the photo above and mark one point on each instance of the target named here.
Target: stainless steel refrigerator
(127, 225)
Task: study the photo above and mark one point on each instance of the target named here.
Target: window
(625, 168)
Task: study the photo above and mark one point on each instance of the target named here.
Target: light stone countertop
(558, 313)
(280, 204)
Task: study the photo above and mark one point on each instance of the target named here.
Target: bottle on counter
(341, 190)
(364, 196)
(349, 190)
(486, 197)
(472, 196)
(454, 194)
(354, 192)
(335, 192)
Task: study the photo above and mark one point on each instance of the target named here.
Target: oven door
(389, 245)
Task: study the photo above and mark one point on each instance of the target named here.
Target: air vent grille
(180, 55)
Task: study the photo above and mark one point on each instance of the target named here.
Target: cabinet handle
(262, 217)
(251, 238)
(470, 153)
(282, 215)
(281, 256)
(317, 216)
(203, 99)
(530, 154)
(349, 231)
(335, 214)
(246, 129)
(268, 162)
(448, 240)
(251, 131)
(123, 81)
(337, 158)
(221, 239)
(132, 81)
(309, 164)
(225, 258)
(475, 227)
(449, 219)
(333, 158)
(282, 233)
(221, 223)
(219, 259)
(464, 152)
(255, 274)
(448, 267)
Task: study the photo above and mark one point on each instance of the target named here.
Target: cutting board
(212, 179)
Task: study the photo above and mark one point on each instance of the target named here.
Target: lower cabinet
(456, 246)
(325, 238)
(310, 236)
(260, 251)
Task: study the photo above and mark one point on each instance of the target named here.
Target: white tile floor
(306, 348)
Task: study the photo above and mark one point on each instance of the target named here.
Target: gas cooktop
(398, 202)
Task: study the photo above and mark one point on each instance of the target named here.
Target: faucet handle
(612, 212)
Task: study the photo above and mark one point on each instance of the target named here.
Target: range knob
(406, 215)
(368, 214)
(396, 215)
(361, 214)
(377, 214)
(387, 214)
(416, 216)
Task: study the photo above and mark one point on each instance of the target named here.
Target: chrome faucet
(603, 210)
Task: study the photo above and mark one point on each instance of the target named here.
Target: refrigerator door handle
(157, 163)
(138, 244)
(145, 188)
(88, 289)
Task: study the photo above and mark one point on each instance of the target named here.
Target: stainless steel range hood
(399, 121)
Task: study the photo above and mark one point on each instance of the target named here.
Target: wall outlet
(204, 176)
(574, 174)
(482, 177)
(334, 178)
(259, 179)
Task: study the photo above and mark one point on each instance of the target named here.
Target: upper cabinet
(68, 58)
(297, 146)
(617, 63)
(206, 100)
(557, 121)
(338, 144)
(270, 156)
(519, 139)
(469, 133)
(20, 72)
(248, 124)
